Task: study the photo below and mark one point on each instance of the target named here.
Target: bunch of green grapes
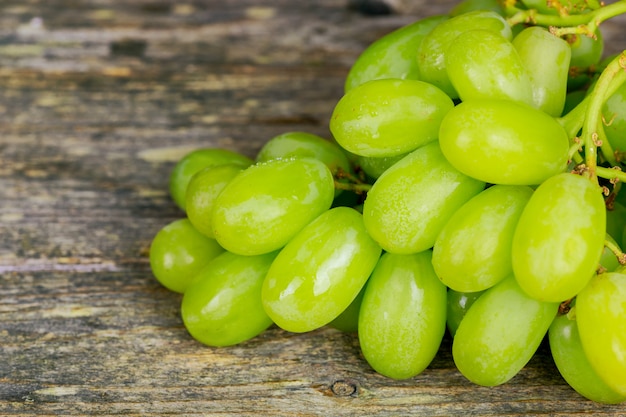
(471, 184)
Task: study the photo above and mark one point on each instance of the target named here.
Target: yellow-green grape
(403, 315)
(320, 271)
(178, 252)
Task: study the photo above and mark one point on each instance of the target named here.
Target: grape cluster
(472, 185)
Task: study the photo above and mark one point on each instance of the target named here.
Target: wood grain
(98, 99)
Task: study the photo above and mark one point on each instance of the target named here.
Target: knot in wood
(343, 388)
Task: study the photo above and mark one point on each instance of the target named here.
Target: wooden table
(98, 99)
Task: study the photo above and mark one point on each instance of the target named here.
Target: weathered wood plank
(97, 101)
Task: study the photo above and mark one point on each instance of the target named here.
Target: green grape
(320, 271)
(559, 238)
(348, 320)
(388, 117)
(466, 6)
(410, 203)
(302, 144)
(391, 56)
(265, 205)
(573, 365)
(194, 162)
(202, 190)
(178, 251)
(431, 52)
(504, 142)
(600, 312)
(403, 315)
(614, 112)
(483, 64)
(223, 306)
(536, 46)
(457, 305)
(473, 251)
(374, 167)
(608, 260)
(500, 333)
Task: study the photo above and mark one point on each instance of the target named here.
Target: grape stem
(611, 78)
(358, 188)
(621, 256)
(562, 24)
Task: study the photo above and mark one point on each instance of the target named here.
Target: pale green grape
(403, 315)
(320, 271)
(264, 206)
(559, 238)
(500, 333)
(178, 252)
(473, 251)
(223, 305)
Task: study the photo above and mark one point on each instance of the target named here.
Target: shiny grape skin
(403, 315)
(559, 238)
(320, 271)
(572, 362)
(178, 252)
(600, 312)
(536, 46)
(223, 305)
(481, 64)
(473, 251)
(265, 205)
(530, 145)
(388, 117)
(500, 333)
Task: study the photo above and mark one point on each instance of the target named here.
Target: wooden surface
(97, 100)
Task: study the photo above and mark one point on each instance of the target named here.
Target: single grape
(431, 52)
(559, 238)
(587, 54)
(500, 333)
(202, 191)
(408, 206)
(600, 312)
(195, 161)
(573, 365)
(223, 306)
(481, 64)
(178, 252)
(265, 205)
(391, 56)
(320, 271)
(389, 117)
(473, 250)
(458, 304)
(403, 315)
(504, 142)
(536, 46)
